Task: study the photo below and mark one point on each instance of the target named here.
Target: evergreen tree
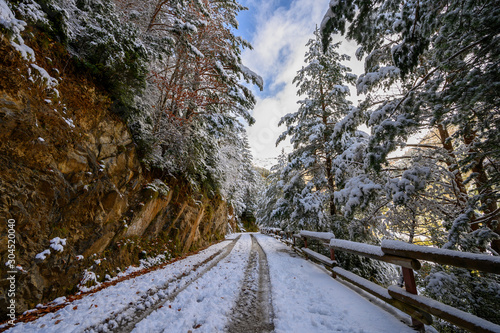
(439, 61)
(433, 66)
(267, 212)
(322, 83)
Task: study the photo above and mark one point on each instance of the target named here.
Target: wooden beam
(411, 287)
(381, 293)
(473, 261)
(455, 316)
(319, 257)
(324, 237)
(374, 252)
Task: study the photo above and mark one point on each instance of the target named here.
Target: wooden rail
(407, 256)
(473, 261)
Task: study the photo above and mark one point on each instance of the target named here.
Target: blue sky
(278, 31)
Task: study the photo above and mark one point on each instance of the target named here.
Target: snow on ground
(306, 299)
(94, 308)
(207, 303)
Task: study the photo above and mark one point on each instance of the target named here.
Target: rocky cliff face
(69, 169)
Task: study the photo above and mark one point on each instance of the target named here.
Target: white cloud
(279, 42)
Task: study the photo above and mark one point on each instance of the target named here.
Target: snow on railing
(475, 261)
(322, 236)
(407, 256)
(374, 252)
(268, 230)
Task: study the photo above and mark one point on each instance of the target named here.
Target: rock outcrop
(70, 169)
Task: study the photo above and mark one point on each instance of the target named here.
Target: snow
(207, 302)
(251, 75)
(399, 245)
(157, 186)
(42, 255)
(319, 235)
(58, 244)
(307, 299)
(70, 123)
(59, 301)
(46, 78)
(324, 259)
(367, 80)
(96, 307)
(9, 21)
(304, 296)
(446, 310)
(31, 10)
(358, 247)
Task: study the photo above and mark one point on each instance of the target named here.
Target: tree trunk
(483, 187)
(451, 162)
(331, 185)
(328, 162)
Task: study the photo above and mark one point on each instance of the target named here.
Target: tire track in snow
(253, 311)
(156, 297)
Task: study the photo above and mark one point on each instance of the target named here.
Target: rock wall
(69, 169)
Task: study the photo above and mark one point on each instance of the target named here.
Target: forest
(174, 74)
(417, 159)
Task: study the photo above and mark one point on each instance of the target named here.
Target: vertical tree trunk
(483, 187)
(328, 162)
(331, 185)
(451, 162)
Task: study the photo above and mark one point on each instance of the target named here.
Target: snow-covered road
(251, 283)
(307, 299)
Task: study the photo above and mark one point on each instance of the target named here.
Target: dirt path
(253, 311)
(155, 298)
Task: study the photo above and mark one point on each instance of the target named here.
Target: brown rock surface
(83, 183)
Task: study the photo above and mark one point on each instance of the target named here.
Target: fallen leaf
(75, 307)
(57, 322)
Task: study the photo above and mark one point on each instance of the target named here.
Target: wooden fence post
(332, 254)
(411, 287)
(332, 257)
(305, 242)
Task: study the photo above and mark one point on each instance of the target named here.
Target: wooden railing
(407, 256)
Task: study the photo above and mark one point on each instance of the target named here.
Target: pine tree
(433, 66)
(438, 61)
(268, 214)
(322, 84)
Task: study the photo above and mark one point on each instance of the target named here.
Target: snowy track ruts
(156, 297)
(253, 311)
